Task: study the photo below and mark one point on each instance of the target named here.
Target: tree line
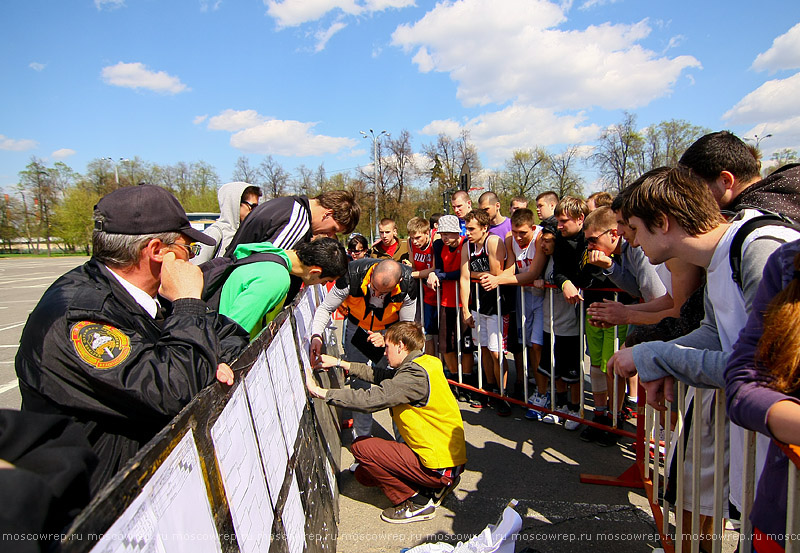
(53, 204)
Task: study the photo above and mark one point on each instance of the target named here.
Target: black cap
(550, 225)
(145, 209)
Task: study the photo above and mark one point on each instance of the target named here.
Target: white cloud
(324, 36)
(232, 120)
(36, 66)
(497, 134)
(290, 13)
(257, 134)
(206, 5)
(199, 119)
(136, 76)
(784, 53)
(589, 4)
(516, 51)
(63, 153)
(109, 4)
(773, 102)
(19, 145)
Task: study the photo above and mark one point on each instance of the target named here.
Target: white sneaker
(354, 466)
(552, 418)
(539, 400)
(571, 424)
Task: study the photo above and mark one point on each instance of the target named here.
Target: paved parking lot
(22, 283)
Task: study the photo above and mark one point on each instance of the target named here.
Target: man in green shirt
(253, 294)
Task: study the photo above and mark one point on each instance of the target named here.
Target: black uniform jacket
(91, 352)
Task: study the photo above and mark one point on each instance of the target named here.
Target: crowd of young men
(654, 243)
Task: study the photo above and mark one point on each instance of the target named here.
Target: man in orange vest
(372, 295)
(415, 475)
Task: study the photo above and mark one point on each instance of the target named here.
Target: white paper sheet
(283, 393)
(172, 512)
(242, 475)
(294, 368)
(294, 520)
(264, 408)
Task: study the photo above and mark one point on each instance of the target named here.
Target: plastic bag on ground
(495, 538)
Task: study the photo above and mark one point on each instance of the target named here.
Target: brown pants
(394, 468)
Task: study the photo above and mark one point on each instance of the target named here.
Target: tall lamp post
(116, 170)
(757, 139)
(375, 139)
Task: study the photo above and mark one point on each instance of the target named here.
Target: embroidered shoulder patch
(99, 345)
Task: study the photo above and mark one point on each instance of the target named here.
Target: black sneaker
(606, 438)
(440, 494)
(589, 434)
(477, 400)
(408, 511)
(503, 408)
(592, 433)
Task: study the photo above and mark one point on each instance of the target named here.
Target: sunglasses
(357, 251)
(251, 205)
(193, 248)
(594, 239)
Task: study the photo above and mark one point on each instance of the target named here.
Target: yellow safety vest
(435, 431)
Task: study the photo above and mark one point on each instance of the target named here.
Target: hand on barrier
(311, 384)
(315, 350)
(622, 363)
(376, 339)
(469, 321)
(225, 374)
(328, 361)
(571, 294)
(658, 391)
(538, 283)
(433, 281)
(489, 282)
(608, 312)
(180, 279)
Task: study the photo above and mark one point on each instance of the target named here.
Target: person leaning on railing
(762, 382)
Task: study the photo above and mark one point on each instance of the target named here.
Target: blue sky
(212, 80)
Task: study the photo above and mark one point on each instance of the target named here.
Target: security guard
(123, 342)
(372, 295)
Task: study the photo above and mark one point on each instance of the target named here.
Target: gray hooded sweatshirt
(230, 198)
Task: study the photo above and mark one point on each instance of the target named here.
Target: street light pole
(757, 139)
(376, 172)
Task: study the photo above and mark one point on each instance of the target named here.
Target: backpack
(216, 271)
(768, 218)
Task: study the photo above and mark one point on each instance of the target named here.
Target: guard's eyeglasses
(193, 248)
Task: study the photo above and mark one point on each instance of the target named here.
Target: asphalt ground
(23, 280)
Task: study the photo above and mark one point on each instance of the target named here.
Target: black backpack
(216, 271)
(768, 218)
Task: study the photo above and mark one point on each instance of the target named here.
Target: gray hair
(124, 250)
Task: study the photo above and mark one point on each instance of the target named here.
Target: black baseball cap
(550, 225)
(145, 209)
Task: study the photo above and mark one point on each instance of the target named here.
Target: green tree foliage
(616, 153)
(73, 218)
(41, 186)
(525, 173)
(623, 153)
(562, 178)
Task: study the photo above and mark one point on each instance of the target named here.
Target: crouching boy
(418, 474)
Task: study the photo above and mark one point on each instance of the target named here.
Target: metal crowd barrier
(550, 294)
(251, 467)
(650, 469)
